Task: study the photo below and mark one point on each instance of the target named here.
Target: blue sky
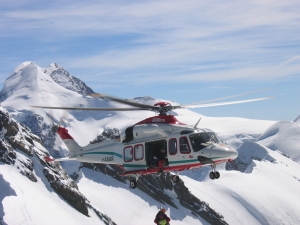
(185, 51)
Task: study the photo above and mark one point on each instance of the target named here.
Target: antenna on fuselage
(197, 123)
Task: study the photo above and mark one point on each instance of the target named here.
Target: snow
(267, 192)
(283, 136)
(26, 202)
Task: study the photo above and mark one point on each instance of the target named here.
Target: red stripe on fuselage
(169, 168)
(63, 133)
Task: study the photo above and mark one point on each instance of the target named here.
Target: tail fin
(71, 144)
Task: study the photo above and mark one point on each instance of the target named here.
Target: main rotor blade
(225, 103)
(94, 109)
(232, 96)
(126, 102)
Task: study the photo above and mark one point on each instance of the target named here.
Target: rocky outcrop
(40, 128)
(248, 153)
(64, 79)
(19, 147)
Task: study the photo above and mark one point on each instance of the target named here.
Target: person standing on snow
(161, 218)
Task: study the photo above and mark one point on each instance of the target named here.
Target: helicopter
(156, 144)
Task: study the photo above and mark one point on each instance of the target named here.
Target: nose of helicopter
(225, 151)
(232, 153)
(220, 151)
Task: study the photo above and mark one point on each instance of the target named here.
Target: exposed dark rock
(106, 219)
(111, 170)
(21, 145)
(248, 153)
(64, 79)
(25, 167)
(155, 186)
(7, 154)
(197, 207)
(66, 187)
(8, 124)
(40, 129)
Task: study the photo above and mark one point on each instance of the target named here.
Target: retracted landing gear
(133, 183)
(214, 174)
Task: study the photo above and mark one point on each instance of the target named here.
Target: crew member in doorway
(162, 159)
(161, 218)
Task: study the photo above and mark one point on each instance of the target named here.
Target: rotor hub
(164, 107)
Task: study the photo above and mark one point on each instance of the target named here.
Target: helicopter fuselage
(138, 151)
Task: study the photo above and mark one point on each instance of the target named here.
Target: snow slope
(266, 193)
(283, 136)
(25, 202)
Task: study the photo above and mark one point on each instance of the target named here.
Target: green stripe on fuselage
(184, 161)
(132, 165)
(102, 153)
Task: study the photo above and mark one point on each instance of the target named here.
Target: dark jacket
(161, 216)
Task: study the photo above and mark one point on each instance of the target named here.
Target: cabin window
(128, 154)
(138, 152)
(172, 146)
(184, 145)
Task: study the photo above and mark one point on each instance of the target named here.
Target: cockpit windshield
(202, 140)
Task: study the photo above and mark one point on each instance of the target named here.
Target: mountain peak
(64, 79)
(29, 81)
(24, 77)
(24, 64)
(55, 65)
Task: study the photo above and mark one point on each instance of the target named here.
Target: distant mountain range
(260, 187)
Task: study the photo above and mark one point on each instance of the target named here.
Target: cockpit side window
(197, 141)
(202, 140)
(214, 138)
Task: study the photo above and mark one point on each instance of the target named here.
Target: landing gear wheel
(133, 184)
(175, 178)
(212, 175)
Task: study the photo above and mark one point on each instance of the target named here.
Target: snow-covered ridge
(283, 136)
